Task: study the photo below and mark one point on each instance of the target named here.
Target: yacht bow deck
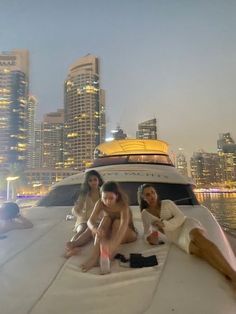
(36, 279)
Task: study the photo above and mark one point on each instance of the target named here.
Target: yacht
(35, 278)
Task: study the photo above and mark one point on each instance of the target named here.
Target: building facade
(84, 105)
(31, 151)
(53, 140)
(226, 148)
(181, 163)
(14, 89)
(118, 134)
(147, 130)
(206, 169)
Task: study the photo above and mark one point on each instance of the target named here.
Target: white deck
(35, 278)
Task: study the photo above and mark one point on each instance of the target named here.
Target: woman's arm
(78, 206)
(19, 223)
(23, 223)
(146, 223)
(92, 221)
(147, 226)
(177, 217)
(124, 223)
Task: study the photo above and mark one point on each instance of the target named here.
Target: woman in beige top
(116, 226)
(89, 195)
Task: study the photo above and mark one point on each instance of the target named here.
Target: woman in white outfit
(187, 233)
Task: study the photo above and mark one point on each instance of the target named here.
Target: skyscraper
(38, 135)
(205, 168)
(14, 87)
(32, 102)
(52, 139)
(224, 139)
(118, 134)
(84, 105)
(181, 163)
(227, 153)
(147, 130)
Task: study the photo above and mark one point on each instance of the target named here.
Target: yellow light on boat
(133, 146)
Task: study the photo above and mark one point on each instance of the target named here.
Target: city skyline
(172, 60)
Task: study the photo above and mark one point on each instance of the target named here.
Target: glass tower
(84, 104)
(14, 86)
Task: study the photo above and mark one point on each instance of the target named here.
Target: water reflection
(223, 207)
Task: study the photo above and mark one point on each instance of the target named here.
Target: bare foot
(71, 252)
(71, 245)
(90, 263)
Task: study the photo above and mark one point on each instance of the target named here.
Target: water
(223, 207)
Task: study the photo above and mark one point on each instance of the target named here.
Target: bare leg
(79, 230)
(130, 235)
(204, 248)
(105, 225)
(73, 247)
(82, 239)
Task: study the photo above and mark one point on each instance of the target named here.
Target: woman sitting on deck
(89, 195)
(187, 233)
(11, 219)
(116, 226)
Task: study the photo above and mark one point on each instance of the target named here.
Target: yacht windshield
(66, 195)
(130, 159)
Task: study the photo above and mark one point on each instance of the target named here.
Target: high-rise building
(53, 139)
(118, 134)
(38, 135)
(14, 88)
(205, 168)
(224, 139)
(84, 105)
(32, 102)
(227, 152)
(181, 163)
(147, 130)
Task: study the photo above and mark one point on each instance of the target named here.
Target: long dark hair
(112, 186)
(9, 210)
(142, 203)
(85, 186)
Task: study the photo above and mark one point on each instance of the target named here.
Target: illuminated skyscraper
(52, 139)
(147, 130)
(38, 134)
(227, 152)
(84, 105)
(32, 102)
(224, 139)
(118, 134)
(181, 163)
(205, 168)
(14, 86)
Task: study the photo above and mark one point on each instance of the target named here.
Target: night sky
(173, 60)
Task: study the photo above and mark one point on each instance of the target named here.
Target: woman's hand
(152, 239)
(159, 224)
(99, 232)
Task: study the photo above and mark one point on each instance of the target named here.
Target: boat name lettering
(134, 174)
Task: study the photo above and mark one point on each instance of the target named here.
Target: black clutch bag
(136, 260)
